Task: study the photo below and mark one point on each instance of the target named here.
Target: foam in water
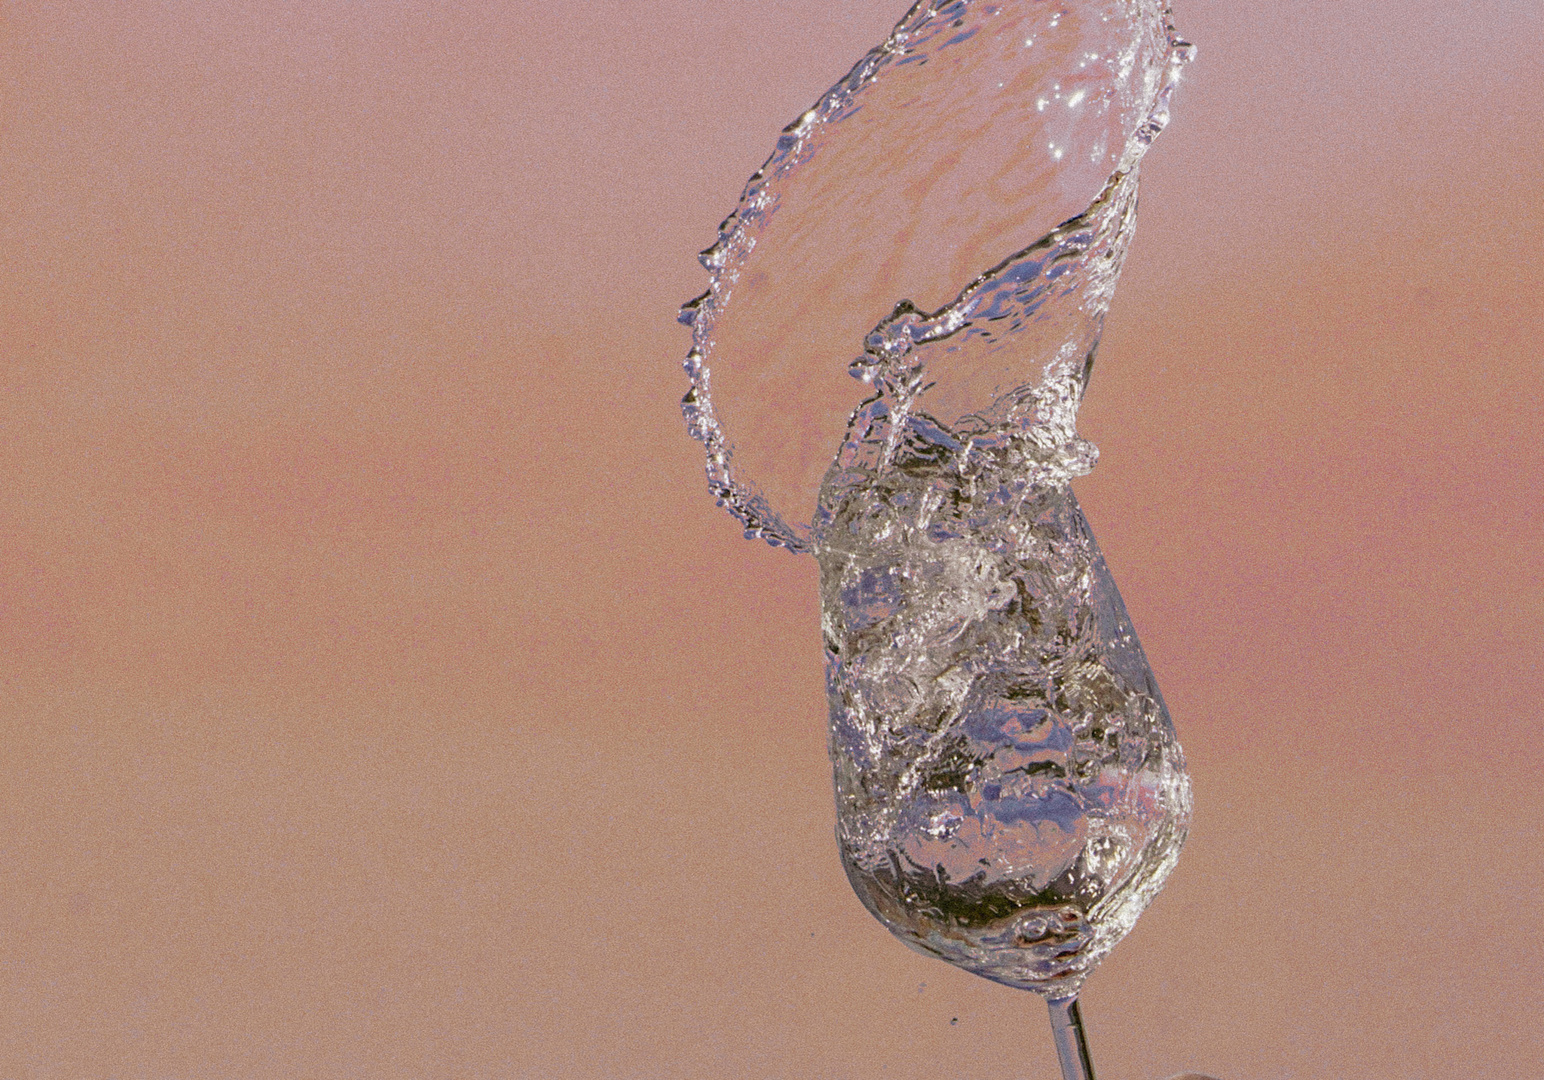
(1010, 793)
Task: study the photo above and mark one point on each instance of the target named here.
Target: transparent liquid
(955, 212)
(1010, 793)
(925, 187)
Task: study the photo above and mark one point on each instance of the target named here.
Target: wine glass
(1010, 792)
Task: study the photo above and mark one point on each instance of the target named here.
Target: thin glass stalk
(1071, 1042)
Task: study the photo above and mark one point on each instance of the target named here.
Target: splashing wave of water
(973, 124)
(1010, 791)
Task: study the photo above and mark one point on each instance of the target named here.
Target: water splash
(1010, 791)
(974, 124)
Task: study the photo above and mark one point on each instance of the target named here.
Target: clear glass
(1071, 1042)
(901, 321)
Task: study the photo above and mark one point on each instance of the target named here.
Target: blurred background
(382, 695)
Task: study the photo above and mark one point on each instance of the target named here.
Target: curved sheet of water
(973, 130)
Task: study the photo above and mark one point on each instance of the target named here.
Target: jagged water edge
(734, 244)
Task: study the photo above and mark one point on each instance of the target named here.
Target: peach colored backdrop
(383, 696)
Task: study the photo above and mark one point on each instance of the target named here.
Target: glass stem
(1071, 1043)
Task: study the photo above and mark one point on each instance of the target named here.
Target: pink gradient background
(383, 696)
